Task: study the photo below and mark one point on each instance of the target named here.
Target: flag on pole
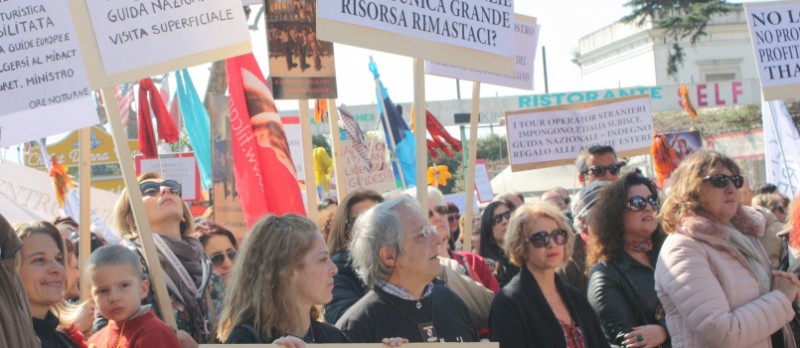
(398, 136)
(262, 164)
(782, 147)
(149, 97)
(198, 124)
(124, 95)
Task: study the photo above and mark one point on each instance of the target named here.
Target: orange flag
(687, 103)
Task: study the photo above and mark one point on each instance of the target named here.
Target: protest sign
(43, 79)
(775, 36)
(539, 138)
(483, 183)
(181, 167)
(125, 41)
(291, 126)
(470, 33)
(526, 42)
(300, 66)
(376, 175)
(460, 200)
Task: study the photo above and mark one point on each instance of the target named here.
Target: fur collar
(747, 220)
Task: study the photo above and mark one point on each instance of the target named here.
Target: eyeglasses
(498, 218)
(542, 239)
(452, 218)
(721, 180)
(639, 203)
(427, 232)
(441, 210)
(218, 258)
(151, 188)
(601, 170)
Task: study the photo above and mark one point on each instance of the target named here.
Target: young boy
(117, 290)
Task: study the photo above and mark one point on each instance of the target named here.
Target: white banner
(483, 183)
(775, 37)
(137, 34)
(291, 126)
(43, 83)
(556, 135)
(782, 148)
(179, 167)
(526, 43)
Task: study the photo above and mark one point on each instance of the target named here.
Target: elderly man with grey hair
(394, 251)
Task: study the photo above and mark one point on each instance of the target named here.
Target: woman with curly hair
(278, 284)
(624, 241)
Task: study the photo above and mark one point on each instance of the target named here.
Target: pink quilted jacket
(710, 292)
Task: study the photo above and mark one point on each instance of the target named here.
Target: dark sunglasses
(639, 203)
(452, 218)
(542, 239)
(601, 170)
(442, 210)
(150, 188)
(721, 180)
(498, 218)
(218, 258)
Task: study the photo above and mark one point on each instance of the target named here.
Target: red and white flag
(124, 95)
(262, 163)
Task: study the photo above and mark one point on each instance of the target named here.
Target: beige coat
(773, 244)
(710, 292)
(16, 326)
(477, 297)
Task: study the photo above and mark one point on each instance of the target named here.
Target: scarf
(166, 127)
(643, 246)
(190, 253)
(751, 255)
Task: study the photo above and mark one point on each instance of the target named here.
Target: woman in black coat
(537, 309)
(624, 241)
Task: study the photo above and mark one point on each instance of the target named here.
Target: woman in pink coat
(712, 274)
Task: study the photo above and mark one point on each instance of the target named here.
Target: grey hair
(378, 227)
(583, 157)
(116, 255)
(434, 195)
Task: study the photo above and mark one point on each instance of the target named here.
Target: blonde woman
(712, 275)
(536, 308)
(283, 275)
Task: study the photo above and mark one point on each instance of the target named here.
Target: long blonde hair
(260, 291)
(123, 213)
(684, 186)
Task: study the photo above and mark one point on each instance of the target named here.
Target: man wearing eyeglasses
(395, 252)
(598, 162)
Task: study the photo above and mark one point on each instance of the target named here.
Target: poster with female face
(684, 143)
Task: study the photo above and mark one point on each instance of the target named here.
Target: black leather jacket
(622, 293)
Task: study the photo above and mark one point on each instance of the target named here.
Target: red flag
(149, 97)
(262, 164)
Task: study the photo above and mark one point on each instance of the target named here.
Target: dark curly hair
(606, 224)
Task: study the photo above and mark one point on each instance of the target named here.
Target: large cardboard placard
(358, 174)
(126, 40)
(545, 137)
(300, 66)
(42, 77)
(471, 33)
(526, 43)
(775, 36)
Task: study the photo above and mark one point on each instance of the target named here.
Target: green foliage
(453, 166)
(679, 19)
(320, 140)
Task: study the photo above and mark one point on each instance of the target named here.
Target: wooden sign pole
(472, 148)
(137, 206)
(420, 133)
(336, 149)
(84, 177)
(308, 161)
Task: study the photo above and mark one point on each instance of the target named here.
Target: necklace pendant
(419, 305)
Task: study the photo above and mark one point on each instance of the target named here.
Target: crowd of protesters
(704, 262)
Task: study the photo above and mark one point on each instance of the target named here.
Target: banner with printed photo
(300, 65)
(684, 143)
(546, 137)
(227, 209)
(775, 35)
(44, 87)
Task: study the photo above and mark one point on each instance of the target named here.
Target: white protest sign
(471, 33)
(483, 183)
(356, 172)
(545, 137)
(141, 38)
(43, 84)
(179, 167)
(460, 200)
(291, 126)
(526, 43)
(775, 36)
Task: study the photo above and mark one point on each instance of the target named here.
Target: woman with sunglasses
(494, 221)
(347, 287)
(624, 241)
(220, 246)
(536, 308)
(185, 263)
(712, 274)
